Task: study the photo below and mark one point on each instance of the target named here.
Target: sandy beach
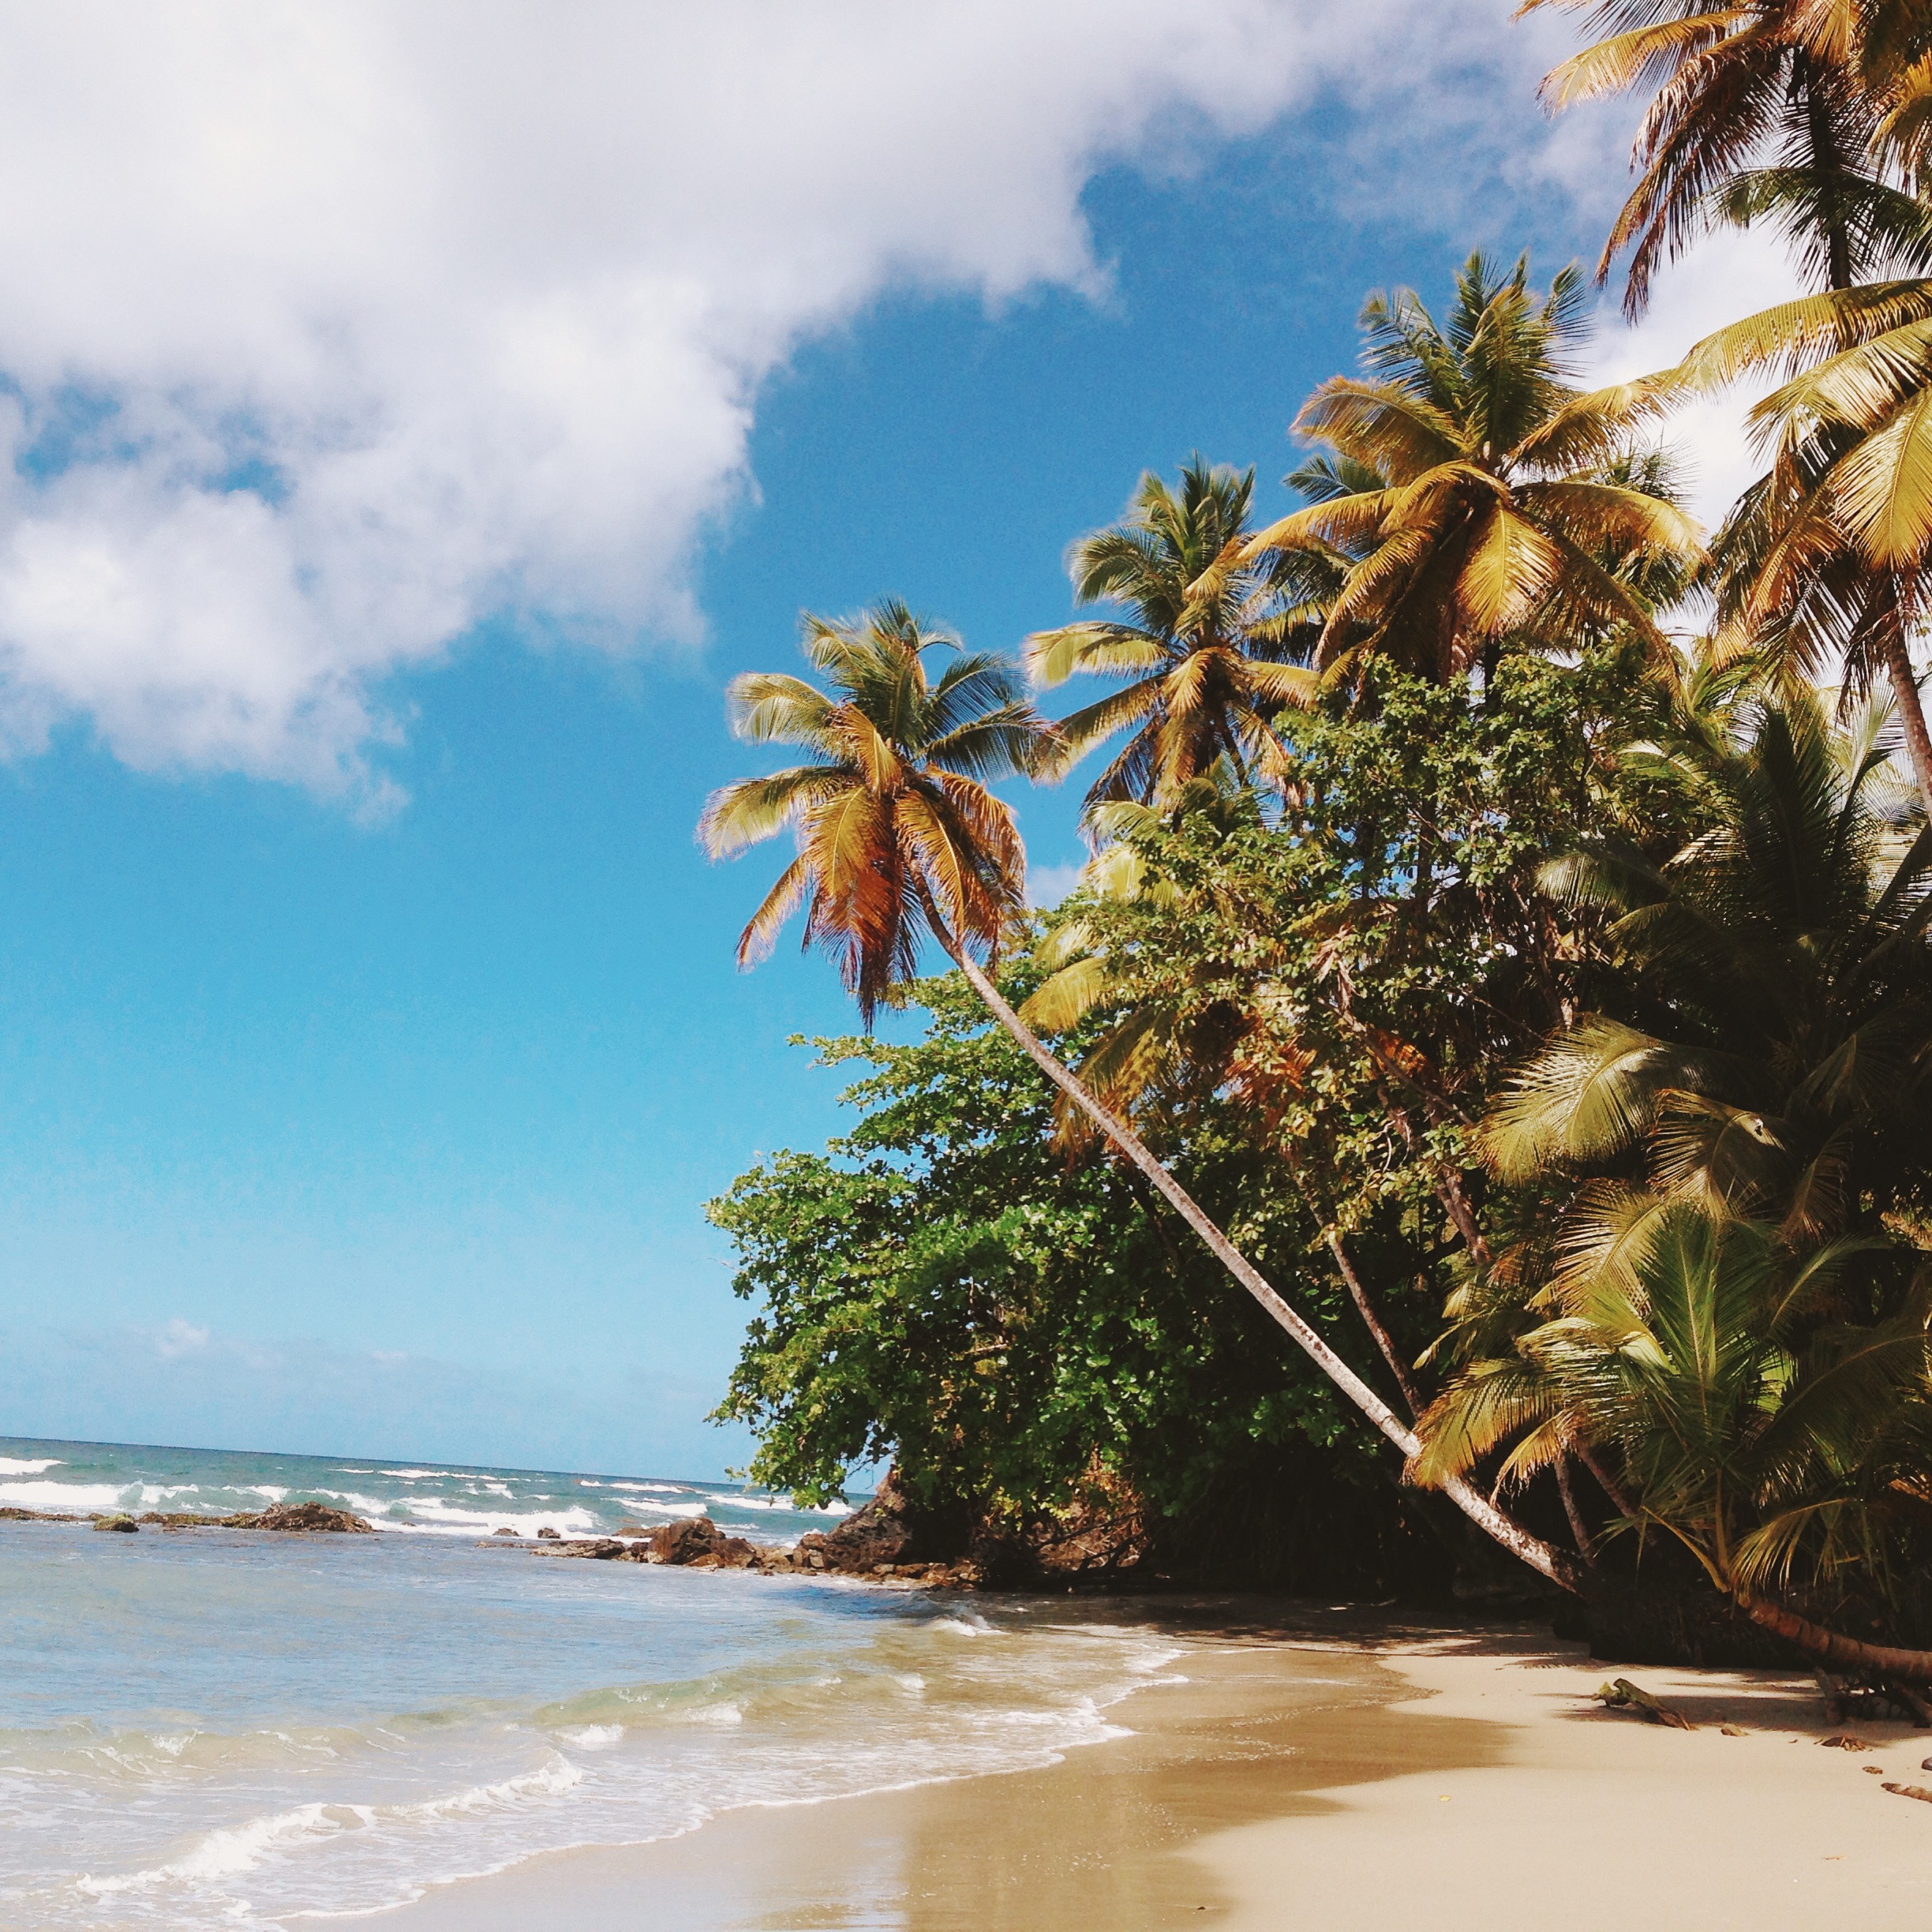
(1458, 1778)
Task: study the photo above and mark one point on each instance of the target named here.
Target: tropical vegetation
(1504, 967)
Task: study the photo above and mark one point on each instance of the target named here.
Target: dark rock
(693, 1540)
(125, 1525)
(305, 1516)
(886, 1530)
(601, 1549)
(550, 1535)
(505, 1532)
(635, 1529)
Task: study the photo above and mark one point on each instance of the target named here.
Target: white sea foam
(551, 1779)
(233, 1850)
(438, 1516)
(59, 1496)
(777, 1503)
(21, 1465)
(593, 1737)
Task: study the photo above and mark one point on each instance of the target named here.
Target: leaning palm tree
(1768, 110)
(1474, 491)
(1204, 643)
(898, 837)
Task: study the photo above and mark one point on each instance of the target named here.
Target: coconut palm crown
(897, 833)
(1205, 644)
(1828, 556)
(1471, 492)
(1770, 110)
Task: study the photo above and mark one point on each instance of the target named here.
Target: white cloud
(1727, 276)
(333, 327)
(179, 1337)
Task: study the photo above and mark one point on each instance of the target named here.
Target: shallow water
(225, 1726)
(408, 1499)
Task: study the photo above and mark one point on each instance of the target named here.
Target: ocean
(225, 1727)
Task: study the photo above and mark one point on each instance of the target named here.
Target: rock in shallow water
(125, 1525)
(698, 1539)
(300, 1516)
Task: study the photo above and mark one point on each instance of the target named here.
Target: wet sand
(1318, 1776)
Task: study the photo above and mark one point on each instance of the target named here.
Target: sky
(415, 416)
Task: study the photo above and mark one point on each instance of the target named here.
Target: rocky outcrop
(886, 1532)
(600, 1549)
(693, 1541)
(300, 1516)
(126, 1526)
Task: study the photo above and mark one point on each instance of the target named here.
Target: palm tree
(1723, 1308)
(1204, 645)
(1771, 110)
(1474, 491)
(1755, 1423)
(1829, 556)
(897, 837)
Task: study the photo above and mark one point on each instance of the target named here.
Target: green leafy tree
(1014, 1330)
(895, 838)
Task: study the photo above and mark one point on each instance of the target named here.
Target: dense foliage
(1502, 972)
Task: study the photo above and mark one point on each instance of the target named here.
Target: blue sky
(362, 1071)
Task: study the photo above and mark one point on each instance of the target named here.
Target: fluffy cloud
(331, 327)
(1727, 276)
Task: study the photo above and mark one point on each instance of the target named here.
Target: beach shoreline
(1464, 1776)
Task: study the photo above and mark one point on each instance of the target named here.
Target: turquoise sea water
(228, 1728)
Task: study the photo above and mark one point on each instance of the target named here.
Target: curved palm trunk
(1886, 1659)
(1557, 1565)
(1911, 709)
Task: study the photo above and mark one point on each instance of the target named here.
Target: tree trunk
(1606, 1482)
(1372, 1318)
(1911, 709)
(1373, 1322)
(1887, 1660)
(1578, 1528)
(1545, 1559)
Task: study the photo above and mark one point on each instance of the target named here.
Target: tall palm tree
(1816, 113)
(1829, 556)
(1205, 643)
(1474, 491)
(897, 837)
(1769, 110)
